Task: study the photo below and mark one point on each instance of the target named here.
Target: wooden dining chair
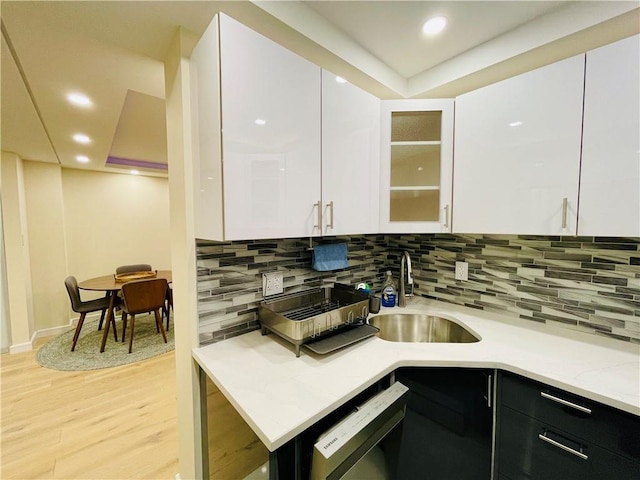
(136, 267)
(78, 306)
(143, 296)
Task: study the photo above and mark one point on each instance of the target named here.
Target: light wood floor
(114, 423)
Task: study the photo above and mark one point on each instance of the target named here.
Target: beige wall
(114, 219)
(16, 237)
(45, 224)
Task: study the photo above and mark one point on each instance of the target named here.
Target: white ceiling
(113, 52)
(391, 31)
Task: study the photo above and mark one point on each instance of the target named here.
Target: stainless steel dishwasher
(365, 444)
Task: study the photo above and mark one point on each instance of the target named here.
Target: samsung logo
(328, 444)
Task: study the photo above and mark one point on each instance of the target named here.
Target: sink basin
(412, 327)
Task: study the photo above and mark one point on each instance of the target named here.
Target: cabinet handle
(446, 216)
(544, 438)
(565, 203)
(489, 393)
(318, 225)
(565, 402)
(330, 205)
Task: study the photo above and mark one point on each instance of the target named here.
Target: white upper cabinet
(256, 136)
(610, 174)
(517, 153)
(271, 136)
(350, 158)
(416, 153)
(281, 148)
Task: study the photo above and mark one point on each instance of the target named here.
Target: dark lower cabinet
(447, 429)
(542, 433)
(548, 434)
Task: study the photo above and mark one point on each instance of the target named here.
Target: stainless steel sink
(413, 327)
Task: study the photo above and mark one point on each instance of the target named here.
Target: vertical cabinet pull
(565, 204)
(318, 224)
(544, 438)
(489, 390)
(330, 205)
(446, 216)
(565, 402)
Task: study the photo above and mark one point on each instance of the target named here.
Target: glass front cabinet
(416, 166)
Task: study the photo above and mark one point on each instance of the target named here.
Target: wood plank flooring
(114, 423)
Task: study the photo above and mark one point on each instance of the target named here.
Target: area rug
(147, 343)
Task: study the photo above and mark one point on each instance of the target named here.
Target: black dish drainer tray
(348, 336)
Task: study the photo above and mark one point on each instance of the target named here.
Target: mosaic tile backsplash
(583, 283)
(230, 277)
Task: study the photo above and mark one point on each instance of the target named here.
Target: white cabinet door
(517, 153)
(270, 137)
(610, 173)
(206, 146)
(416, 155)
(350, 158)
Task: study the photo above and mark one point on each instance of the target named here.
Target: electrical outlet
(462, 271)
(272, 283)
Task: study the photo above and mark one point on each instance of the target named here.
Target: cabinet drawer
(591, 421)
(523, 454)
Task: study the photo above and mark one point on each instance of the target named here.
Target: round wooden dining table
(108, 284)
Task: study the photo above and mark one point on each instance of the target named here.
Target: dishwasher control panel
(366, 415)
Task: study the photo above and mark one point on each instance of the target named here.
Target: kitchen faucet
(405, 264)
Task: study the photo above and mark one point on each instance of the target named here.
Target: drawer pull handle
(566, 403)
(544, 438)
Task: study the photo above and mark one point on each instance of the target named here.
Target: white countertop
(280, 395)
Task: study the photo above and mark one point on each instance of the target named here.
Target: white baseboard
(20, 347)
(49, 332)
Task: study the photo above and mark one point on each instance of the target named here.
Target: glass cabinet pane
(414, 205)
(416, 126)
(415, 166)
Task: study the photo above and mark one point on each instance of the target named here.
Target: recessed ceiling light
(261, 121)
(82, 158)
(81, 138)
(134, 172)
(79, 99)
(340, 80)
(517, 123)
(434, 25)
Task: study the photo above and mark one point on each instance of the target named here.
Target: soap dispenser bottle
(389, 291)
